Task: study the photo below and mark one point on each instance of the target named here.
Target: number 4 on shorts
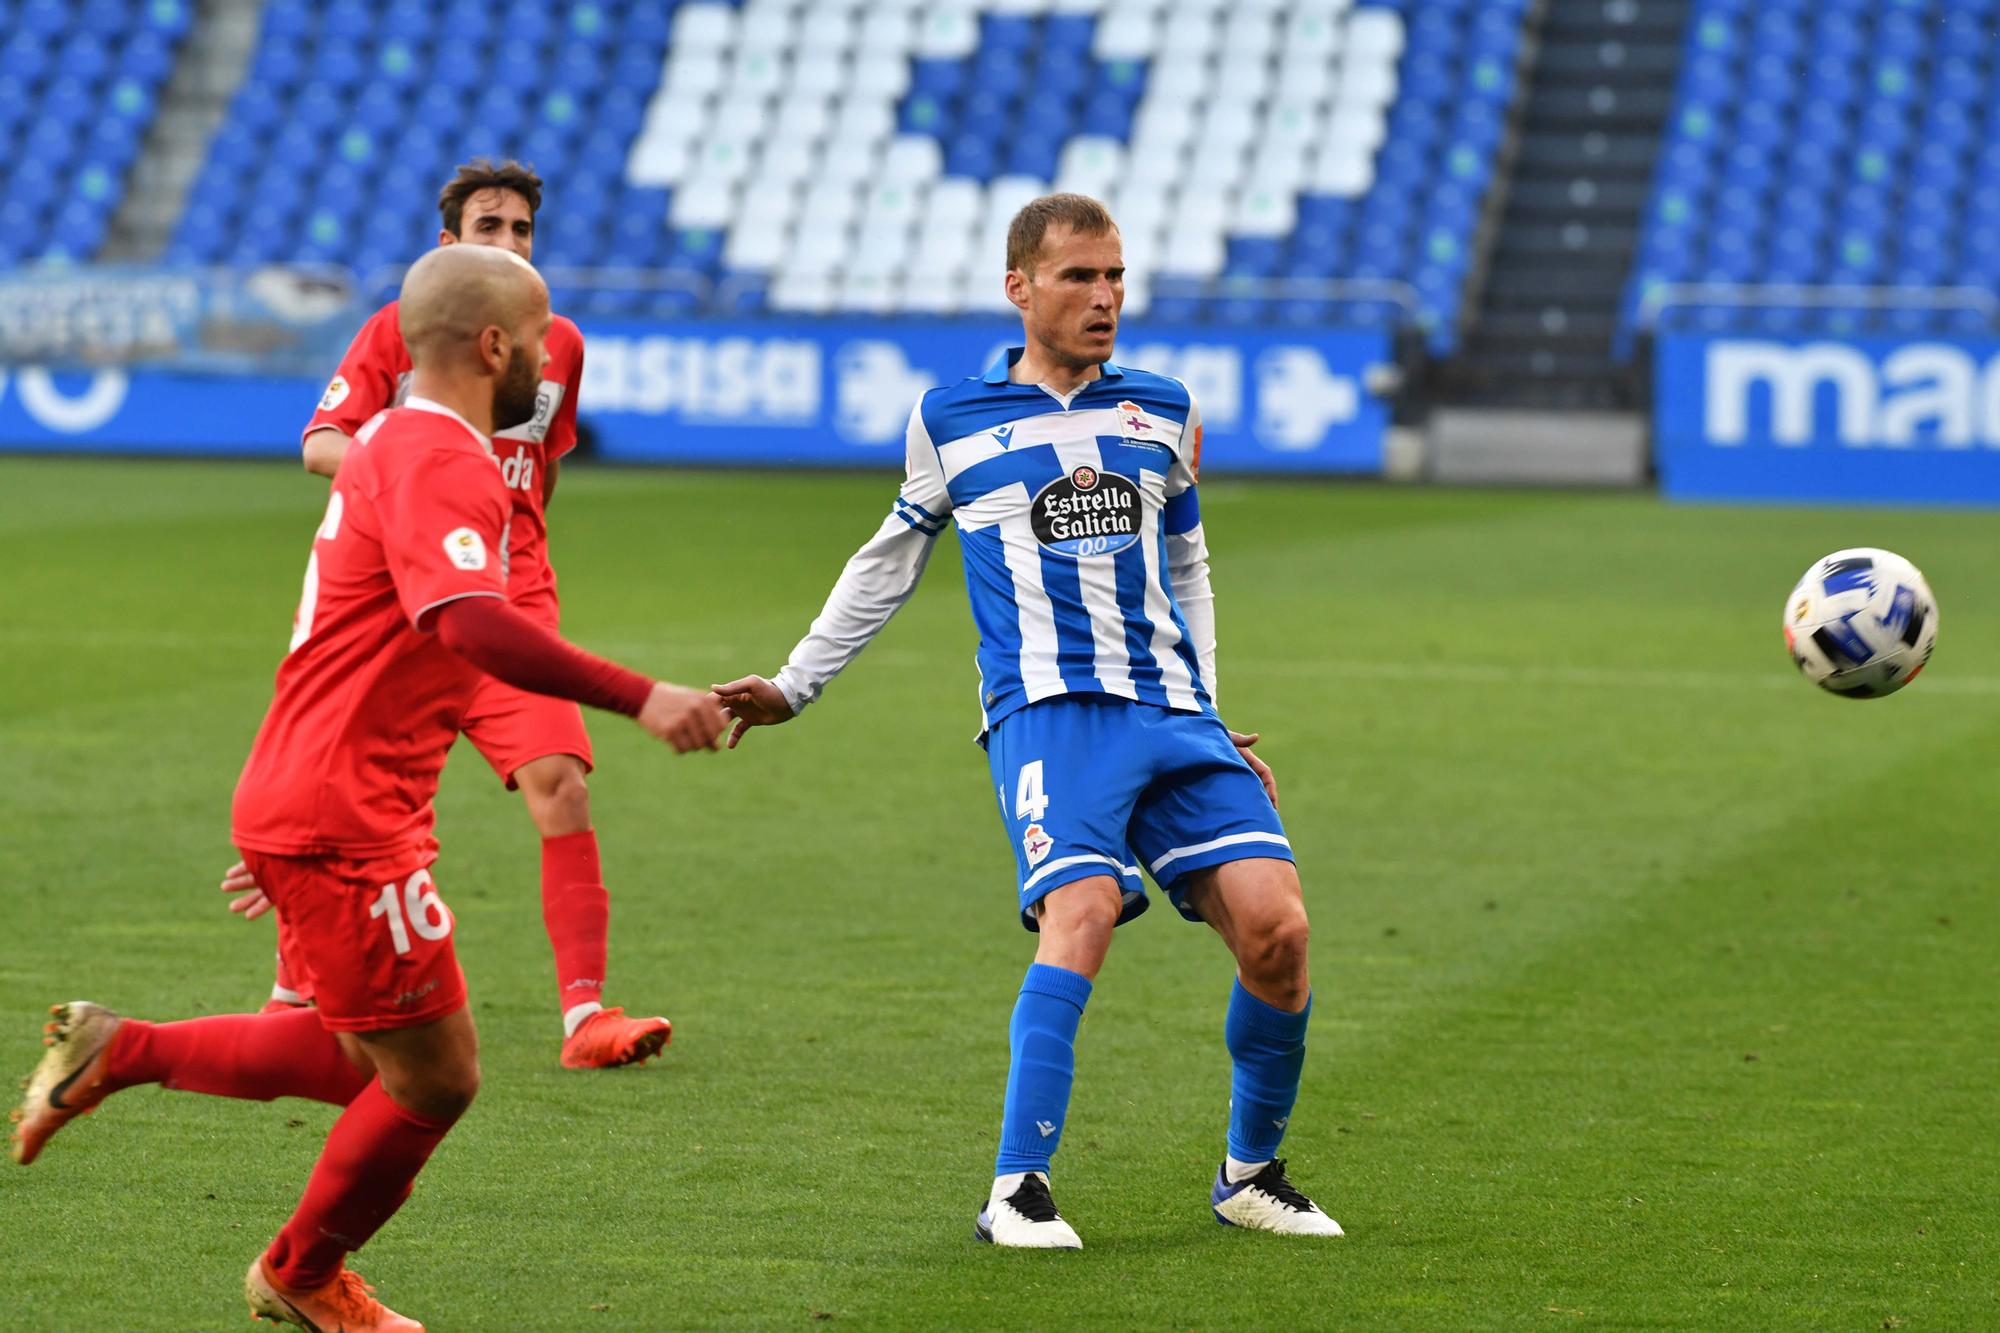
(420, 907)
(1030, 801)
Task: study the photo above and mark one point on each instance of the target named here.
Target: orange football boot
(608, 1039)
(70, 1079)
(344, 1305)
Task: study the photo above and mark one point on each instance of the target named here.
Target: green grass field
(1654, 987)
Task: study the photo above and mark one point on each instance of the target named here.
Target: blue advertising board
(1855, 420)
(814, 393)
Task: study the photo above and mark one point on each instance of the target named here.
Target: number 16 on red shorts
(370, 937)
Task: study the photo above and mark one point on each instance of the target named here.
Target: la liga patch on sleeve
(336, 394)
(466, 548)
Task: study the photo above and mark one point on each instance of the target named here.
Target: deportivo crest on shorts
(1036, 843)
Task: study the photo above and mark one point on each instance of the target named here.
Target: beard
(518, 394)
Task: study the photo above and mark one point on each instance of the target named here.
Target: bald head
(455, 293)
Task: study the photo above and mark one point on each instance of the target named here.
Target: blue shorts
(1090, 784)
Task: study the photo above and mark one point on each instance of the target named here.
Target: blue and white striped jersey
(1081, 534)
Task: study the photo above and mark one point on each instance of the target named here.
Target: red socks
(255, 1057)
(364, 1173)
(576, 909)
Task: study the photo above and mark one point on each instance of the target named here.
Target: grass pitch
(1654, 987)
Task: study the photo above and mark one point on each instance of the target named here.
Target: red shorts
(513, 727)
(368, 941)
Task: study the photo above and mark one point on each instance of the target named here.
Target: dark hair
(481, 173)
(1079, 212)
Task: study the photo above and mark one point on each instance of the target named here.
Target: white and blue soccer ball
(1861, 623)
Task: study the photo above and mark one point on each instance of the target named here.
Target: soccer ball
(1861, 623)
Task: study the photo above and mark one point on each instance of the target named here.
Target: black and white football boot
(1020, 1213)
(1268, 1201)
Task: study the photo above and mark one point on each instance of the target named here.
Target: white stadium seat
(1077, 6)
(741, 120)
(983, 289)
(1307, 76)
(1199, 212)
(1007, 195)
(802, 292)
(1017, 7)
(704, 201)
(830, 205)
(955, 199)
(927, 291)
(1265, 212)
(770, 29)
(864, 119)
(659, 161)
(1183, 10)
(674, 112)
(1090, 164)
(1248, 34)
(887, 32)
(1291, 123)
(819, 72)
(723, 160)
(1186, 30)
(884, 74)
(870, 293)
(947, 246)
(1126, 34)
(886, 205)
(758, 73)
(882, 250)
(1164, 119)
(704, 27)
(755, 244)
(1279, 166)
(946, 34)
(1355, 127)
(1227, 123)
(1138, 294)
(1343, 169)
(817, 247)
(1312, 32)
(804, 116)
(1181, 76)
(1143, 206)
(1194, 254)
(824, 31)
(1369, 84)
(789, 160)
(695, 71)
(1243, 80)
(768, 201)
(912, 158)
(1375, 34)
(1218, 165)
(847, 160)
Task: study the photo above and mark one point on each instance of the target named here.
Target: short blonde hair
(1079, 212)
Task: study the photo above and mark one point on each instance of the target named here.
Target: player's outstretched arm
(508, 646)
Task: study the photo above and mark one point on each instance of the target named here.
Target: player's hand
(753, 702)
(249, 901)
(685, 719)
(1243, 743)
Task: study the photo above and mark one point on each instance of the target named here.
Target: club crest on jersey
(1037, 844)
(466, 548)
(336, 393)
(1088, 512)
(1133, 421)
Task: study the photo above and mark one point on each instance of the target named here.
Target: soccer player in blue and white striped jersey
(1072, 484)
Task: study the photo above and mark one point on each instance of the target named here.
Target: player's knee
(1275, 952)
(445, 1091)
(558, 797)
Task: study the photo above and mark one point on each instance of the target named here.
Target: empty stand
(80, 84)
(1852, 144)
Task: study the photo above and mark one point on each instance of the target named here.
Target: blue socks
(1043, 1037)
(1269, 1048)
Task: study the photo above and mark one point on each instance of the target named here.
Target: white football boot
(1025, 1217)
(1268, 1202)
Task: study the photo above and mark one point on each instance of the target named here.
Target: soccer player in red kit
(404, 607)
(537, 745)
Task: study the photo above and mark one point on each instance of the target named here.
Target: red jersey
(375, 374)
(368, 702)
